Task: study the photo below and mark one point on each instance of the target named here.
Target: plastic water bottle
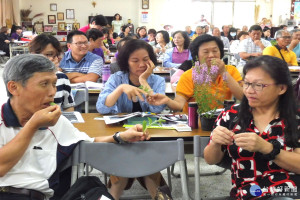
(105, 73)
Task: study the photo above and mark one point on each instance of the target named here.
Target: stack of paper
(88, 85)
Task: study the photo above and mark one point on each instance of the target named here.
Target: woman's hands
(252, 142)
(157, 99)
(133, 93)
(222, 136)
(144, 76)
(220, 64)
(134, 134)
(248, 141)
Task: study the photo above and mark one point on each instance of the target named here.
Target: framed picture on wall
(53, 7)
(61, 26)
(70, 14)
(38, 27)
(48, 28)
(145, 4)
(51, 19)
(69, 26)
(76, 26)
(60, 16)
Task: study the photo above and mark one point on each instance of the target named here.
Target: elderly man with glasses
(79, 64)
(295, 43)
(280, 50)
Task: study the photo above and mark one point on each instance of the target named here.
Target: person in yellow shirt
(280, 50)
(210, 49)
(198, 32)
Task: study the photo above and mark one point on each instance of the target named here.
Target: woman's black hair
(165, 35)
(279, 72)
(120, 17)
(232, 29)
(131, 46)
(241, 34)
(123, 28)
(138, 33)
(94, 34)
(14, 29)
(194, 47)
(186, 43)
(122, 42)
(40, 42)
(186, 65)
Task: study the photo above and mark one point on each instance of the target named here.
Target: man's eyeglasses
(80, 44)
(256, 86)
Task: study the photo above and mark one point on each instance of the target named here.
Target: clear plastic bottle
(105, 73)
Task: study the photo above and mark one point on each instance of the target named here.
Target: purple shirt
(178, 57)
(99, 52)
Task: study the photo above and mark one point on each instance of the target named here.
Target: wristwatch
(118, 138)
(276, 150)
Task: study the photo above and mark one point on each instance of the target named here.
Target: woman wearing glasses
(261, 135)
(50, 47)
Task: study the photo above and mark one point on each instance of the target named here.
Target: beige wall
(83, 9)
(132, 9)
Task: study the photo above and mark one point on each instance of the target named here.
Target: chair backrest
(134, 159)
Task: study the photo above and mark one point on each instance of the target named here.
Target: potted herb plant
(208, 100)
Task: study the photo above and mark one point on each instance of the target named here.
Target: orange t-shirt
(185, 86)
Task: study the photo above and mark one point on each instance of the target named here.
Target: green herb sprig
(157, 122)
(146, 89)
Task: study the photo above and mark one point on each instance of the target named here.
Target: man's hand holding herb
(134, 134)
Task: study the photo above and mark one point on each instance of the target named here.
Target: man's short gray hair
(279, 33)
(294, 31)
(23, 67)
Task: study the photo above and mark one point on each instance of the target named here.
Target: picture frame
(48, 28)
(60, 16)
(145, 4)
(53, 7)
(38, 27)
(69, 26)
(70, 14)
(76, 26)
(51, 19)
(61, 26)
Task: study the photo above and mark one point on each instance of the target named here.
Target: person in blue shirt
(189, 31)
(79, 64)
(122, 95)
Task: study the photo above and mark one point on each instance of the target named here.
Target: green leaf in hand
(144, 125)
(52, 104)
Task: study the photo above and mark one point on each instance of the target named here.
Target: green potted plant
(208, 100)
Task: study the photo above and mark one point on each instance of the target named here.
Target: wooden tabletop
(96, 128)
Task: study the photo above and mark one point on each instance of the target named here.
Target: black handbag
(87, 188)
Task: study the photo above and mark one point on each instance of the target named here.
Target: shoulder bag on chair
(87, 188)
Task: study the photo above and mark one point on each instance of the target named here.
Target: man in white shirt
(216, 32)
(34, 137)
(253, 46)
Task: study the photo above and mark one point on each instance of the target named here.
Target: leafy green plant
(146, 89)
(157, 122)
(206, 95)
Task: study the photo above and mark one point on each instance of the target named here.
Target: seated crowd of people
(260, 135)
